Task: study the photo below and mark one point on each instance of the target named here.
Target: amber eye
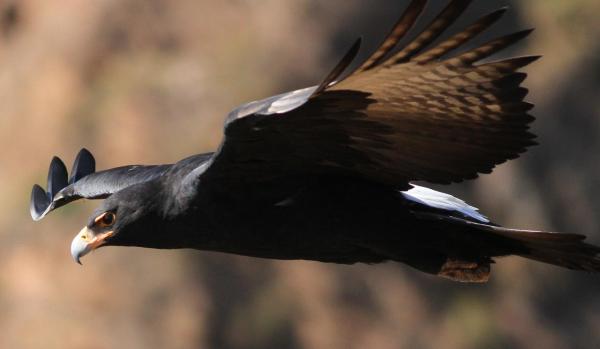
(106, 219)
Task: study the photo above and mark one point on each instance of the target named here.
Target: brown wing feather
(462, 37)
(489, 48)
(450, 120)
(454, 9)
(402, 26)
(412, 116)
(340, 67)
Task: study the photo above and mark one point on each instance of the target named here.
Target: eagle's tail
(466, 249)
(561, 249)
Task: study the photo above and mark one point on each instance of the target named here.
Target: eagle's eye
(106, 219)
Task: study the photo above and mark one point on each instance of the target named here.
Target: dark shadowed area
(138, 81)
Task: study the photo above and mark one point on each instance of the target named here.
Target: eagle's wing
(85, 182)
(407, 113)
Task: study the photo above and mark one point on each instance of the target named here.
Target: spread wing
(407, 113)
(85, 182)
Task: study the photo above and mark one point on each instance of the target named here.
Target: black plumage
(323, 173)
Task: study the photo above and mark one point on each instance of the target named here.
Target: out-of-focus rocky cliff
(150, 81)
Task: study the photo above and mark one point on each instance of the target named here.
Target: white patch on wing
(289, 101)
(436, 199)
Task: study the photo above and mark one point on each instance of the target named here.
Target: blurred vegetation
(149, 81)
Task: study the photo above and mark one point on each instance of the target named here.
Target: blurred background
(150, 81)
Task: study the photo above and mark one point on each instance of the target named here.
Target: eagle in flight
(324, 173)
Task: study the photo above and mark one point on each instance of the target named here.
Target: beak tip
(81, 244)
(78, 249)
(76, 257)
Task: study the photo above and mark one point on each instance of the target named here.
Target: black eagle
(324, 173)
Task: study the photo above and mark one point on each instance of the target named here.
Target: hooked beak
(87, 241)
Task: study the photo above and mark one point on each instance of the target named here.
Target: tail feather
(561, 249)
(470, 247)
